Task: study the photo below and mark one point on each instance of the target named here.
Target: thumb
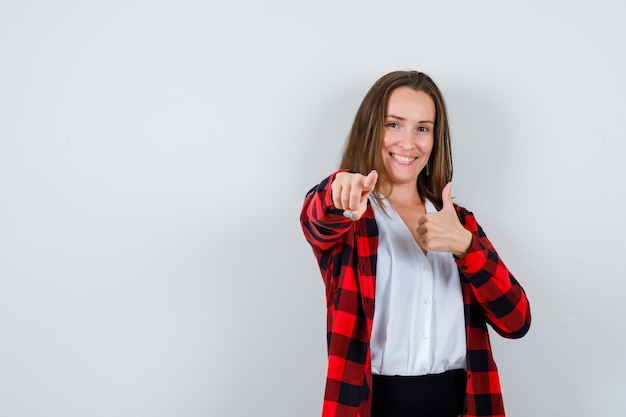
(446, 198)
(370, 181)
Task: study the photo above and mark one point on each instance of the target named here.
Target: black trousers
(440, 395)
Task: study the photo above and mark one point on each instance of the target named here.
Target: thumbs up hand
(350, 192)
(442, 231)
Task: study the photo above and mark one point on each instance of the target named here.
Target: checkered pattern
(346, 252)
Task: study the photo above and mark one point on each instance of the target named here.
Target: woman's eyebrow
(403, 119)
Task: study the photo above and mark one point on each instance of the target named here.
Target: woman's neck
(404, 195)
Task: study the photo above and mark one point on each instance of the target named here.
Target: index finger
(370, 181)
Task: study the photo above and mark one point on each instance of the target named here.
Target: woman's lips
(403, 159)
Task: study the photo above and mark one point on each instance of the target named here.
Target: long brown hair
(362, 151)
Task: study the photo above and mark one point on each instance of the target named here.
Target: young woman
(411, 279)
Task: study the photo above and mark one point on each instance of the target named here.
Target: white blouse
(419, 324)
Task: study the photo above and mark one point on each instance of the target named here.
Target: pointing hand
(350, 192)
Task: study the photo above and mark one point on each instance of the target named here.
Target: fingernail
(348, 214)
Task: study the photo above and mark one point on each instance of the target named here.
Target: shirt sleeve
(501, 297)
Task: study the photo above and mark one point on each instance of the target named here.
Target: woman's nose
(406, 140)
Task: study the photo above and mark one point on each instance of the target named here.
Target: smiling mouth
(403, 159)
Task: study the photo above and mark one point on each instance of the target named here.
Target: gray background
(153, 160)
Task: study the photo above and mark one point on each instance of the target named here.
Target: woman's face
(408, 134)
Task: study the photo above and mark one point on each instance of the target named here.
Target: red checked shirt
(346, 251)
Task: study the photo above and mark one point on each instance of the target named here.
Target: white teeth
(402, 158)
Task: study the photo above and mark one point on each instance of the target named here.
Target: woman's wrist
(465, 241)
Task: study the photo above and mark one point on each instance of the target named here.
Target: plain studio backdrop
(154, 156)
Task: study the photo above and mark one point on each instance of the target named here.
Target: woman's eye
(422, 129)
(393, 124)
